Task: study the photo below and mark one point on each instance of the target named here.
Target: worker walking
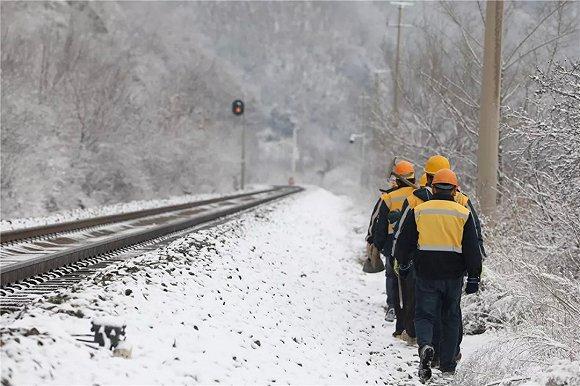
(442, 237)
(425, 193)
(432, 166)
(388, 214)
(373, 262)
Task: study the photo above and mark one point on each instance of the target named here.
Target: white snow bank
(78, 214)
(560, 373)
(506, 357)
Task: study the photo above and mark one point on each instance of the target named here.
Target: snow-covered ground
(276, 296)
(78, 214)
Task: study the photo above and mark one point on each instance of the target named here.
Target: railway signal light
(238, 110)
(238, 107)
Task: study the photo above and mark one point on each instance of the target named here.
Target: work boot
(447, 374)
(426, 353)
(435, 362)
(401, 336)
(411, 340)
(390, 315)
(397, 334)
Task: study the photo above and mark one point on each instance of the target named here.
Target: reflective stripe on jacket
(440, 225)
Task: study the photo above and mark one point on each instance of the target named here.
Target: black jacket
(375, 212)
(381, 238)
(438, 264)
(374, 217)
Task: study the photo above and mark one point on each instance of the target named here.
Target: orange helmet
(404, 169)
(445, 179)
(436, 163)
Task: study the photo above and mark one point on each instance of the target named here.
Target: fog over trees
(105, 102)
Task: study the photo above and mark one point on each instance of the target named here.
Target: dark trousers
(392, 287)
(434, 300)
(437, 336)
(408, 289)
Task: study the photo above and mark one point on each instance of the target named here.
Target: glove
(405, 270)
(472, 285)
(394, 216)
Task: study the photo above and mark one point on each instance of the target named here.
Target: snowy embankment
(277, 295)
(126, 207)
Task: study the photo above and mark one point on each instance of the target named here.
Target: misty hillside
(113, 102)
(107, 102)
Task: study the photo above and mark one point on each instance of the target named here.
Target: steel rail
(15, 297)
(44, 263)
(44, 230)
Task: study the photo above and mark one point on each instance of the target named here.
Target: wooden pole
(397, 79)
(487, 152)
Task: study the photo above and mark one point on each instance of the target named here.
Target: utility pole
(353, 138)
(488, 144)
(294, 149)
(363, 137)
(397, 78)
(396, 96)
(376, 109)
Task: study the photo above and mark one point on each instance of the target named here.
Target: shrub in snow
(532, 287)
(559, 374)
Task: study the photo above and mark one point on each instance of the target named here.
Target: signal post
(238, 110)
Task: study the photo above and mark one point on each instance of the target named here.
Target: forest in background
(108, 102)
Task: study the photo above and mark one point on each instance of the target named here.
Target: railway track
(40, 260)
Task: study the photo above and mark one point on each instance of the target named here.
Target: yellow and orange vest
(394, 201)
(440, 225)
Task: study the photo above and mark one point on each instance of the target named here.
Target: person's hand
(394, 216)
(472, 285)
(405, 270)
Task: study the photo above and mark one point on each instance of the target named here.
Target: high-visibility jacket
(422, 195)
(383, 230)
(374, 216)
(440, 236)
(440, 225)
(394, 201)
